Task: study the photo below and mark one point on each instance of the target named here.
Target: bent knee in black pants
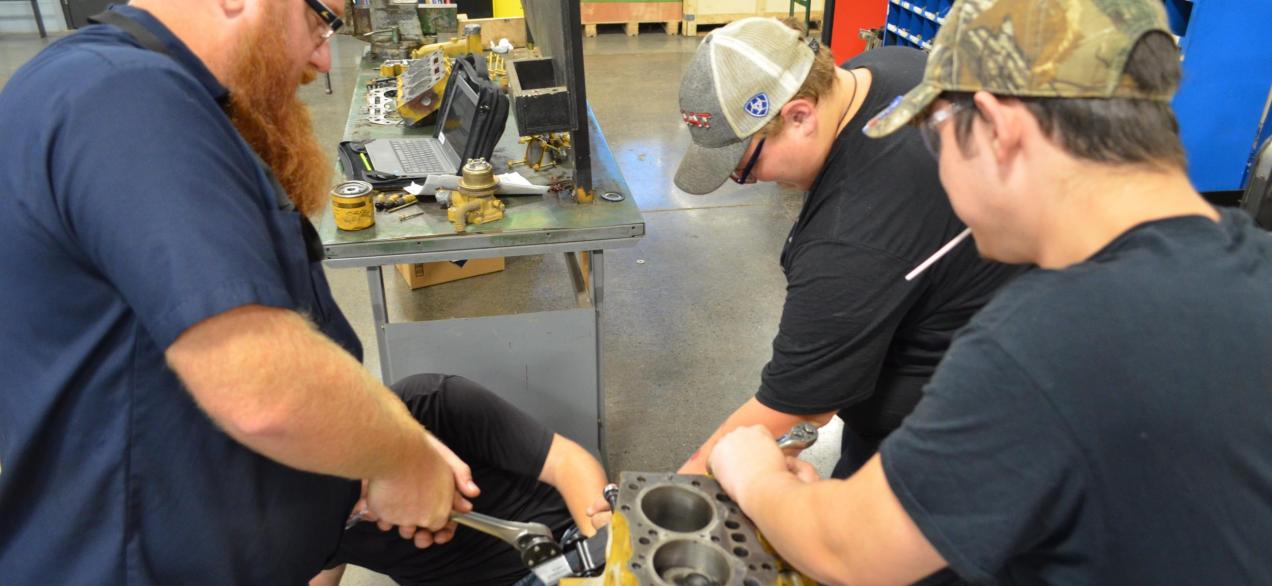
(505, 448)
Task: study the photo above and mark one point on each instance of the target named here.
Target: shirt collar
(178, 51)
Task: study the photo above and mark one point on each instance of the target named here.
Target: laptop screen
(459, 119)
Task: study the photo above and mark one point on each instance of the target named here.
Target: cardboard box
(432, 273)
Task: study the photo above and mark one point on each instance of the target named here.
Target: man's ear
(1004, 127)
(800, 115)
(232, 7)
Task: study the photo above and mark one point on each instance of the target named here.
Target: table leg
(596, 276)
(39, 19)
(379, 310)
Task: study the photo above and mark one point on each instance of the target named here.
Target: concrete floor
(686, 331)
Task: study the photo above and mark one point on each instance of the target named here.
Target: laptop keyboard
(418, 156)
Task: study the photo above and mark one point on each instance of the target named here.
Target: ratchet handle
(800, 437)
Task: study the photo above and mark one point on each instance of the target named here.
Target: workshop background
(691, 309)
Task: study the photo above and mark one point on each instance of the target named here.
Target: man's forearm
(793, 518)
(852, 531)
(285, 390)
(577, 476)
(750, 413)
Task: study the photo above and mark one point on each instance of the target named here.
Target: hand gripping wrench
(799, 437)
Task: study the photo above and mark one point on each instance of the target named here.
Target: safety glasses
(329, 18)
(930, 126)
(743, 176)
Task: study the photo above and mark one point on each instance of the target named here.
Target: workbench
(546, 363)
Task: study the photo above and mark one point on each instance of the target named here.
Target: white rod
(937, 256)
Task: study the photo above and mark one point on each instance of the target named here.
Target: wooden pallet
(630, 15)
(632, 28)
(690, 27)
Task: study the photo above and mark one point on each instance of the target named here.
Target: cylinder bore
(683, 562)
(676, 508)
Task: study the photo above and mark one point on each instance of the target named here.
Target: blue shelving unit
(1223, 104)
(914, 23)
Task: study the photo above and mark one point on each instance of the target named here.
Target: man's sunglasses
(328, 17)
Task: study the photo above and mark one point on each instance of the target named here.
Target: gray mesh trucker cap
(740, 77)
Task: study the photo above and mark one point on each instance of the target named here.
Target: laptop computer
(439, 154)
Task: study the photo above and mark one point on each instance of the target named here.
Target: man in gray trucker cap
(856, 337)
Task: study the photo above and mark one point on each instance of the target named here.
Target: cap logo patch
(696, 119)
(892, 107)
(758, 105)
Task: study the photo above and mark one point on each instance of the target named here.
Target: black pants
(506, 450)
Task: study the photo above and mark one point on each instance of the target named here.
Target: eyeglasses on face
(743, 176)
(930, 125)
(328, 18)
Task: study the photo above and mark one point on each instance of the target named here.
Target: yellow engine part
(475, 201)
(455, 47)
(417, 110)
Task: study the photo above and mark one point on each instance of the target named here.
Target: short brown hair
(1116, 131)
(820, 80)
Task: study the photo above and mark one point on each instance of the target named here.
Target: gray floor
(690, 312)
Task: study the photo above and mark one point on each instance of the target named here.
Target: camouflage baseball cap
(1031, 48)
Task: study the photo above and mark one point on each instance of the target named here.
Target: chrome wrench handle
(799, 437)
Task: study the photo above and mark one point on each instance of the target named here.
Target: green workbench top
(533, 224)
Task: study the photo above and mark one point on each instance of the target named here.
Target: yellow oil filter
(351, 205)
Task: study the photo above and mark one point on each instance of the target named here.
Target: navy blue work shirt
(130, 210)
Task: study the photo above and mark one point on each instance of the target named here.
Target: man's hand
(420, 494)
(744, 455)
(751, 413)
(802, 470)
(599, 513)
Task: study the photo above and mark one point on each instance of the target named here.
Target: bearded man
(182, 401)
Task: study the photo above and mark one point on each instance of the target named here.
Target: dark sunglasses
(930, 126)
(744, 177)
(328, 17)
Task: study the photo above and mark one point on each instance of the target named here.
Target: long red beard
(267, 112)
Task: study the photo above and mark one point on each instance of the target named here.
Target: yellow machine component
(469, 42)
(391, 69)
(421, 86)
(496, 68)
(620, 553)
(475, 201)
(555, 147)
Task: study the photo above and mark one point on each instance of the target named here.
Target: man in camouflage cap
(1106, 418)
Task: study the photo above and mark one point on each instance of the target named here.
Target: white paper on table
(414, 189)
(509, 184)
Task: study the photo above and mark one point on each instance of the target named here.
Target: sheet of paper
(509, 184)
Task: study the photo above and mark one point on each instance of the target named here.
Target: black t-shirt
(1109, 423)
(506, 449)
(852, 325)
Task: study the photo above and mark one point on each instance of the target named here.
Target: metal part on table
(612, 196)
(555, 146)
(680, 530)
(800, 437)
(382, 106)
(475, 201)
